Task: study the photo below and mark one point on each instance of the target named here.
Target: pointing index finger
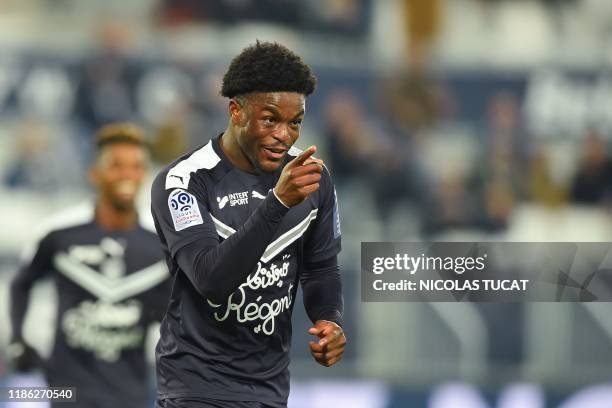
(298, 161)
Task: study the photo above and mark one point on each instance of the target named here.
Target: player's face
(271, 126)
(119, 173)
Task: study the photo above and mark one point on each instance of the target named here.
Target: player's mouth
(274, 153)
(126, 189)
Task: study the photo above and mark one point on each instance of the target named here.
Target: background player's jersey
(111, 286)
(236, 349)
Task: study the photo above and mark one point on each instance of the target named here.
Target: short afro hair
(267, 67)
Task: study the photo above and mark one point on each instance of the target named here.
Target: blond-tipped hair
(124, 132)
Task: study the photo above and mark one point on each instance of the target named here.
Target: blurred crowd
(345, 17)
(417, 149)
(406, 139)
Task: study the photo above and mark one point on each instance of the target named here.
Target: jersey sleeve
(322, 290)
(35, 264)
(324, 239)
(181, 217)
(36, 260)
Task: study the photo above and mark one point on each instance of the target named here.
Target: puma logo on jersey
(233, 199)
(255, 194)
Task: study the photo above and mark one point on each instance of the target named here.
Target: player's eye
(296, 122)
(269, 120)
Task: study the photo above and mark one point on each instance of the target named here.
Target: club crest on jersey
(184, 210)
(233, 199)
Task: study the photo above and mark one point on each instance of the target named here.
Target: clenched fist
(332, 341)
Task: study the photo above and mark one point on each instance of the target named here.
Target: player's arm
(217, 269)
(321, 281)
(21, 354)
(322, 290)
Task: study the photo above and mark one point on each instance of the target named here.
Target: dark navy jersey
(234, 348)
(111, 286)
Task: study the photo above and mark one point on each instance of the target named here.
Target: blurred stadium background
(440, 119)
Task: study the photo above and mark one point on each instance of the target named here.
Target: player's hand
(330, 347)
(23, 357)
(299, 178)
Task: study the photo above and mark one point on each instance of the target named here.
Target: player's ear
(236, 112)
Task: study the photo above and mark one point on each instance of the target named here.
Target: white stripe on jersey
(288, 237)
(110, 289)
(223, 230)
(279, 243)
(204, 158)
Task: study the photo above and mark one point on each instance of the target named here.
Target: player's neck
(232, 151)
(110, 218)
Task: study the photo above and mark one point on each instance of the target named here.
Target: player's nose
(282, 135)
(130, 173)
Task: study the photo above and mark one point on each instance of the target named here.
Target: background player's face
(118, 174)
(270, 126)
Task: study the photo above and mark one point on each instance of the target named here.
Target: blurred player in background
(111, 278)
(243, 219)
